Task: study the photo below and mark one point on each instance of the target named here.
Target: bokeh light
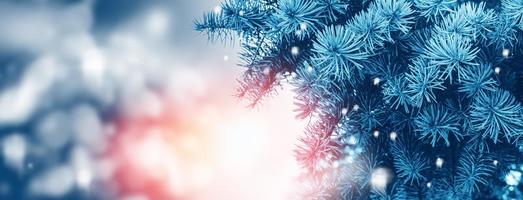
(132, 103)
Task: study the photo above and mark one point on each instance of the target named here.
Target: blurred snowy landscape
(121, 99)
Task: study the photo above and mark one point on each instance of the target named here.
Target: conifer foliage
(407, 99)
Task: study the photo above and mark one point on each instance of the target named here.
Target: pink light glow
(216, 150)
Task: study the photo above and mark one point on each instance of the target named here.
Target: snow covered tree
(407, 99)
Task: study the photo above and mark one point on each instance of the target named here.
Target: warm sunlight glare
(216, 153)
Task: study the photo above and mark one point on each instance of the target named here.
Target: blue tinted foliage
(497, 113)
(434, 10)
(339, 52)
(371, 27)
(332, 9)
(478, 80)
(395, 92)
(455, 23)
(410, 162)
(363, 168)
(214, 26)
(513, 9)
(477, 17)
(503, 34)
(397, 12)
(437, 123)
(422, 80)
(473, 170)
(297, 17)
(415, 42)
(370, 113)
(316, 145)
(428, 90)
(451, 52)
(234, 17)
(308, 95)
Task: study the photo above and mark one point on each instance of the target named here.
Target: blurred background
(122, 99)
